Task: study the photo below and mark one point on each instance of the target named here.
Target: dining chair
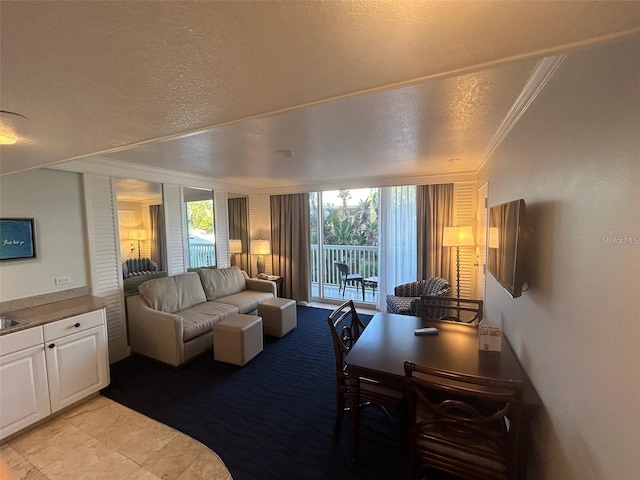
(463, 310)
(346, 327)
(464, 425)
(346, 277)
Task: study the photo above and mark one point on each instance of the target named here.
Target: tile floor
(101, 439)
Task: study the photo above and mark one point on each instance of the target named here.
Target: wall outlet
(62, 280)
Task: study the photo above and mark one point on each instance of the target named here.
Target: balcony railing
(202, 255)
(361, 260)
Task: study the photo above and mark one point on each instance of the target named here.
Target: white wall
(575, 159)
(54, 199)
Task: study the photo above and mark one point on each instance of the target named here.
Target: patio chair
(346, 277)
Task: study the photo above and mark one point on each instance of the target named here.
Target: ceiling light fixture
(7, 138)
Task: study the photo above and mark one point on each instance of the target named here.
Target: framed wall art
(17, 238)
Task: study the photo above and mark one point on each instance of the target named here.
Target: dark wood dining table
(389, 340)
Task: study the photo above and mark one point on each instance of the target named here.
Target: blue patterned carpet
(272, 418)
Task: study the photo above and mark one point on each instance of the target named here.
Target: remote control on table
(426, 331)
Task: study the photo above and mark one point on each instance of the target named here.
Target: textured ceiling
(354, 89)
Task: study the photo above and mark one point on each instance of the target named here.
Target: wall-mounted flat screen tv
(506, 248)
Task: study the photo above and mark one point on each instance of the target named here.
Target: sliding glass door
(344, 244)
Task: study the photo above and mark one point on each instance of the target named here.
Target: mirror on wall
(200, 222)
(239, 230)
(142, 231)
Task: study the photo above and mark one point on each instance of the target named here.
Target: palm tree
(344, 195)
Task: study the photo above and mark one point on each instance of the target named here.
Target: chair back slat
(434, 307)
(465, 425)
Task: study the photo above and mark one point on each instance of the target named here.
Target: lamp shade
(260, 247)
(235, 246)
(138, 234)
(458, 237)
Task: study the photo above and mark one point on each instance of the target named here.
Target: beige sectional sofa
(172, 319)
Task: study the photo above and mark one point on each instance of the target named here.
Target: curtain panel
(238, 229)
(158, 235)
(435, 211)
(397, 240)
(290, 244)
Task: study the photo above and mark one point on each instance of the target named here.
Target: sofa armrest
(153, 333)
(262, 286)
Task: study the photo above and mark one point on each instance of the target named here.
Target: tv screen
(506, 249)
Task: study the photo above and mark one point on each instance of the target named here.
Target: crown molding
(116, 168)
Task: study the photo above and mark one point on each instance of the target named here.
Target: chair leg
(340, 403)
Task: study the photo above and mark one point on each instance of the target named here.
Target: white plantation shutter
(172, 200)
(104, 254)
(146, 222)
(221, 219)
(465, 214)
(481, 241)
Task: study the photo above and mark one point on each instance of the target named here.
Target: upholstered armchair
(138, 266)
(406, 297)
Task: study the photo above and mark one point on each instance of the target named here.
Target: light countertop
(51, 312)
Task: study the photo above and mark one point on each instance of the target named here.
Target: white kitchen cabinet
(24, 395)
(46, 368)
(77, 358)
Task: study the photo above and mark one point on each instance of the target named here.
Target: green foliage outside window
(200, 213)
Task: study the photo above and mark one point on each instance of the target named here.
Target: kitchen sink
(8, 321)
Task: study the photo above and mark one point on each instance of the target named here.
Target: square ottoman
(237, 339)
(278, 316)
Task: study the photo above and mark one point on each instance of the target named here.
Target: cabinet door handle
(77, 325)
(51, 345)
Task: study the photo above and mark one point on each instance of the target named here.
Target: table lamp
(138, 234)
(260, 248)
(235, 247)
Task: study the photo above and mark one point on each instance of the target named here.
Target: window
(201, 239)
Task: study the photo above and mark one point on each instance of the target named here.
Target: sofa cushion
(222, 282)
(172, 294)
(247, 300)
(201, 318)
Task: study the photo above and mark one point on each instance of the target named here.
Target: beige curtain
(291, 244)
(434, 208)
(238, 229)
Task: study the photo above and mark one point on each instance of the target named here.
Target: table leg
(362, 285)
(354, 398)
